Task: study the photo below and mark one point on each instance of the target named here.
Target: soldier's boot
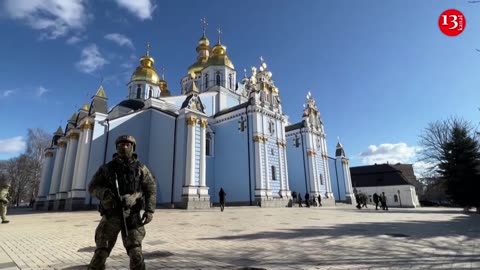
(136, 259)
(98, 260)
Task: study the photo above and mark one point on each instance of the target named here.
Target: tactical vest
(128, 174)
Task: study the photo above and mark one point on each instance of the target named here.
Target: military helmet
(126, 138)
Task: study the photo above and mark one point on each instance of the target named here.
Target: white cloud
(120, 39)
(12, 145)
(75, 39)
(396, 153)
(41, 90)
(7, 93)
(91, 59)
(55, 17)
(393, 153)
(143, 9)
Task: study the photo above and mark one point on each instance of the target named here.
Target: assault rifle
(121, 209)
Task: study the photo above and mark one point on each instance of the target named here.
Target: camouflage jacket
(4, 190)
(132, 177)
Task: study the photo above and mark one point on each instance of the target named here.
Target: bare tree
(20, 175)
(37, 141)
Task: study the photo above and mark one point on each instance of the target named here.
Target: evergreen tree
(459, 165)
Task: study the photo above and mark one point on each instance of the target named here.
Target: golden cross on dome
(163, 73)
(148, 48)
(204, 24)
(219, 31)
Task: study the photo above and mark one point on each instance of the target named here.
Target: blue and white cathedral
(220, 132)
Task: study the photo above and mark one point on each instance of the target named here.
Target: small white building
(397, 182)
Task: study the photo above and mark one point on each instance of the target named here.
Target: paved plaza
(339, 237)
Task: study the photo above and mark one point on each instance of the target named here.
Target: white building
(396, 181)
(219, 131)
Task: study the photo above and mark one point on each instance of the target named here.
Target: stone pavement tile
(327, 238)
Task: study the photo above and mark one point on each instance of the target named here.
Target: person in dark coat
(294, 198)
(376, 200)
(319, 200)
(222, 195)
(307, 199)
(384, 201)
(300, 199)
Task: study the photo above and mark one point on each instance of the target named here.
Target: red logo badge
(452, 22)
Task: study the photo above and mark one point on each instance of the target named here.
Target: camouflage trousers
(105, 238)
(3, 210)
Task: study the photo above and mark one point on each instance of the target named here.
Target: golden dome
(203, 41)
(219, 57)
(203, 50)
(197, 67)
(146, 71)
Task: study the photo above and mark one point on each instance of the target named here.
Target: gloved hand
(147, 217)
(129, 200)
(108, 200)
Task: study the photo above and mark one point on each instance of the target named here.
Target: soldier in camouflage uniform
(4, 193)
(137, 189)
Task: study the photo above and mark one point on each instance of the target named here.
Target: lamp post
(399, 198)
(336, 175)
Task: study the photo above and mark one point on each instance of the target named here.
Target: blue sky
(380, 71)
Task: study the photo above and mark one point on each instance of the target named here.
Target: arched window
(208, 145)
(395, 198)
(206, 81)
(139, 91)
(230, 80)
(150, 92)
(217, 78)
(274, 175)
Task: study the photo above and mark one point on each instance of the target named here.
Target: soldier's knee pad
(136, 256)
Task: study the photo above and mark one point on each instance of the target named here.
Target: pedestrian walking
(376, 200)
(4, 196)
(384, 201)
(222, 195)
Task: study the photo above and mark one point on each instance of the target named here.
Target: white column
(267, 167)
(190, 162)
(328, 183)
(280, 164)
(284, 157)
(44, 180)
(80, 174)
(203, 153)
(57, 168)
(78, 158)
(348, 179)
(67, 174)
(257, 139)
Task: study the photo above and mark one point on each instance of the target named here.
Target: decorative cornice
(345, 161)
(258, 138)
(204, 123)
(265, 139)
(62, 144)
(282, 144)
(86, 125)
(311, 153)
(73, 136)
(191, 121)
